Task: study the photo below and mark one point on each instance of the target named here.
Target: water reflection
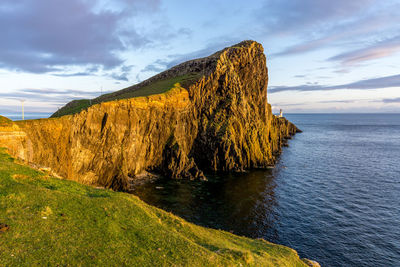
(244, 204)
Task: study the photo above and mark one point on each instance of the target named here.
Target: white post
(23, 113)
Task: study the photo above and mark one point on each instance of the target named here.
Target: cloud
(175, 59)
(49, 96)
(157, 66)
(38, 36)
(153, 68)
(75, 74)
(49, 91)
(321, 24)
(88, 71)
(309, 45)
(295, 16)
(47, 35)
(277, 105)
(122, 73)
(376, 83)
(337, 101)
(214, 46)
(119, 77)
(391, 100)
(378, 50)
(304, 87)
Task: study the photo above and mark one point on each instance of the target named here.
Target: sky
(322, 56)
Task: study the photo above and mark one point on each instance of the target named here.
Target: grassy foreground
(59, 222)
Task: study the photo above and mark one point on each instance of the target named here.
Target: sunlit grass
(156, 87)
(59, 222)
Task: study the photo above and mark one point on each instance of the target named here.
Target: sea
(334, 194)
(27, 116)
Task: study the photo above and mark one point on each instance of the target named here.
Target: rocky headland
(214, 117)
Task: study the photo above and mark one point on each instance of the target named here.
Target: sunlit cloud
(379, 50)
(368, 84)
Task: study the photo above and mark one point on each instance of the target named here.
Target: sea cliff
(219, 121)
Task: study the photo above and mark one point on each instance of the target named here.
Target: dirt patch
(4, 227)
(20, 177)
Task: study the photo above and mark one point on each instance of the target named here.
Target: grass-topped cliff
(185, 74)
(204, 115)
(146, 88)
(48, 221)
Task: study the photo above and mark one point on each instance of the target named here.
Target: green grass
(157, 87)
(154, 88)
(5, 121)
(73, 107)
(58, 222)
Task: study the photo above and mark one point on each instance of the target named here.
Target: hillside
(185, 74)
(48, 221)
(148, 87)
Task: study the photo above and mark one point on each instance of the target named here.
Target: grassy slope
(157, 87)
(5, 121)
(60, 222)
(73, 107)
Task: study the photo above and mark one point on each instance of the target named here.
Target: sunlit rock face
(12, 137)
(220, 122)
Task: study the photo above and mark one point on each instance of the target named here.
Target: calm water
(28, 116)
(334, 195)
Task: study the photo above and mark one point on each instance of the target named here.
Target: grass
(59, 222)
(73, 107)
(157, 87)
(5, 121)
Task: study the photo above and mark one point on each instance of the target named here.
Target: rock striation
(221, 121)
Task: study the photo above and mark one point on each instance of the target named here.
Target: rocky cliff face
(221, 121)
(12, 137)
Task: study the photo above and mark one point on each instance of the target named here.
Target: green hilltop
(146, 88)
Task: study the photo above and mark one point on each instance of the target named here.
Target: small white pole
(23, 113)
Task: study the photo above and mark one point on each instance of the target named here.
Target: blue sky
(323, 56)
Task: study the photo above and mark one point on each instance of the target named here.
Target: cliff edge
(208, 114)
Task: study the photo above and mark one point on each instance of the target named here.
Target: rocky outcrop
(220, 122)
(311, 263)
(12, 137)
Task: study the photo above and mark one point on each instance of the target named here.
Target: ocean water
(28, 116)
(334, 195)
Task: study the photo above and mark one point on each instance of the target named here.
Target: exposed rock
(12, 137)
(221, 121)
(311, 263)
